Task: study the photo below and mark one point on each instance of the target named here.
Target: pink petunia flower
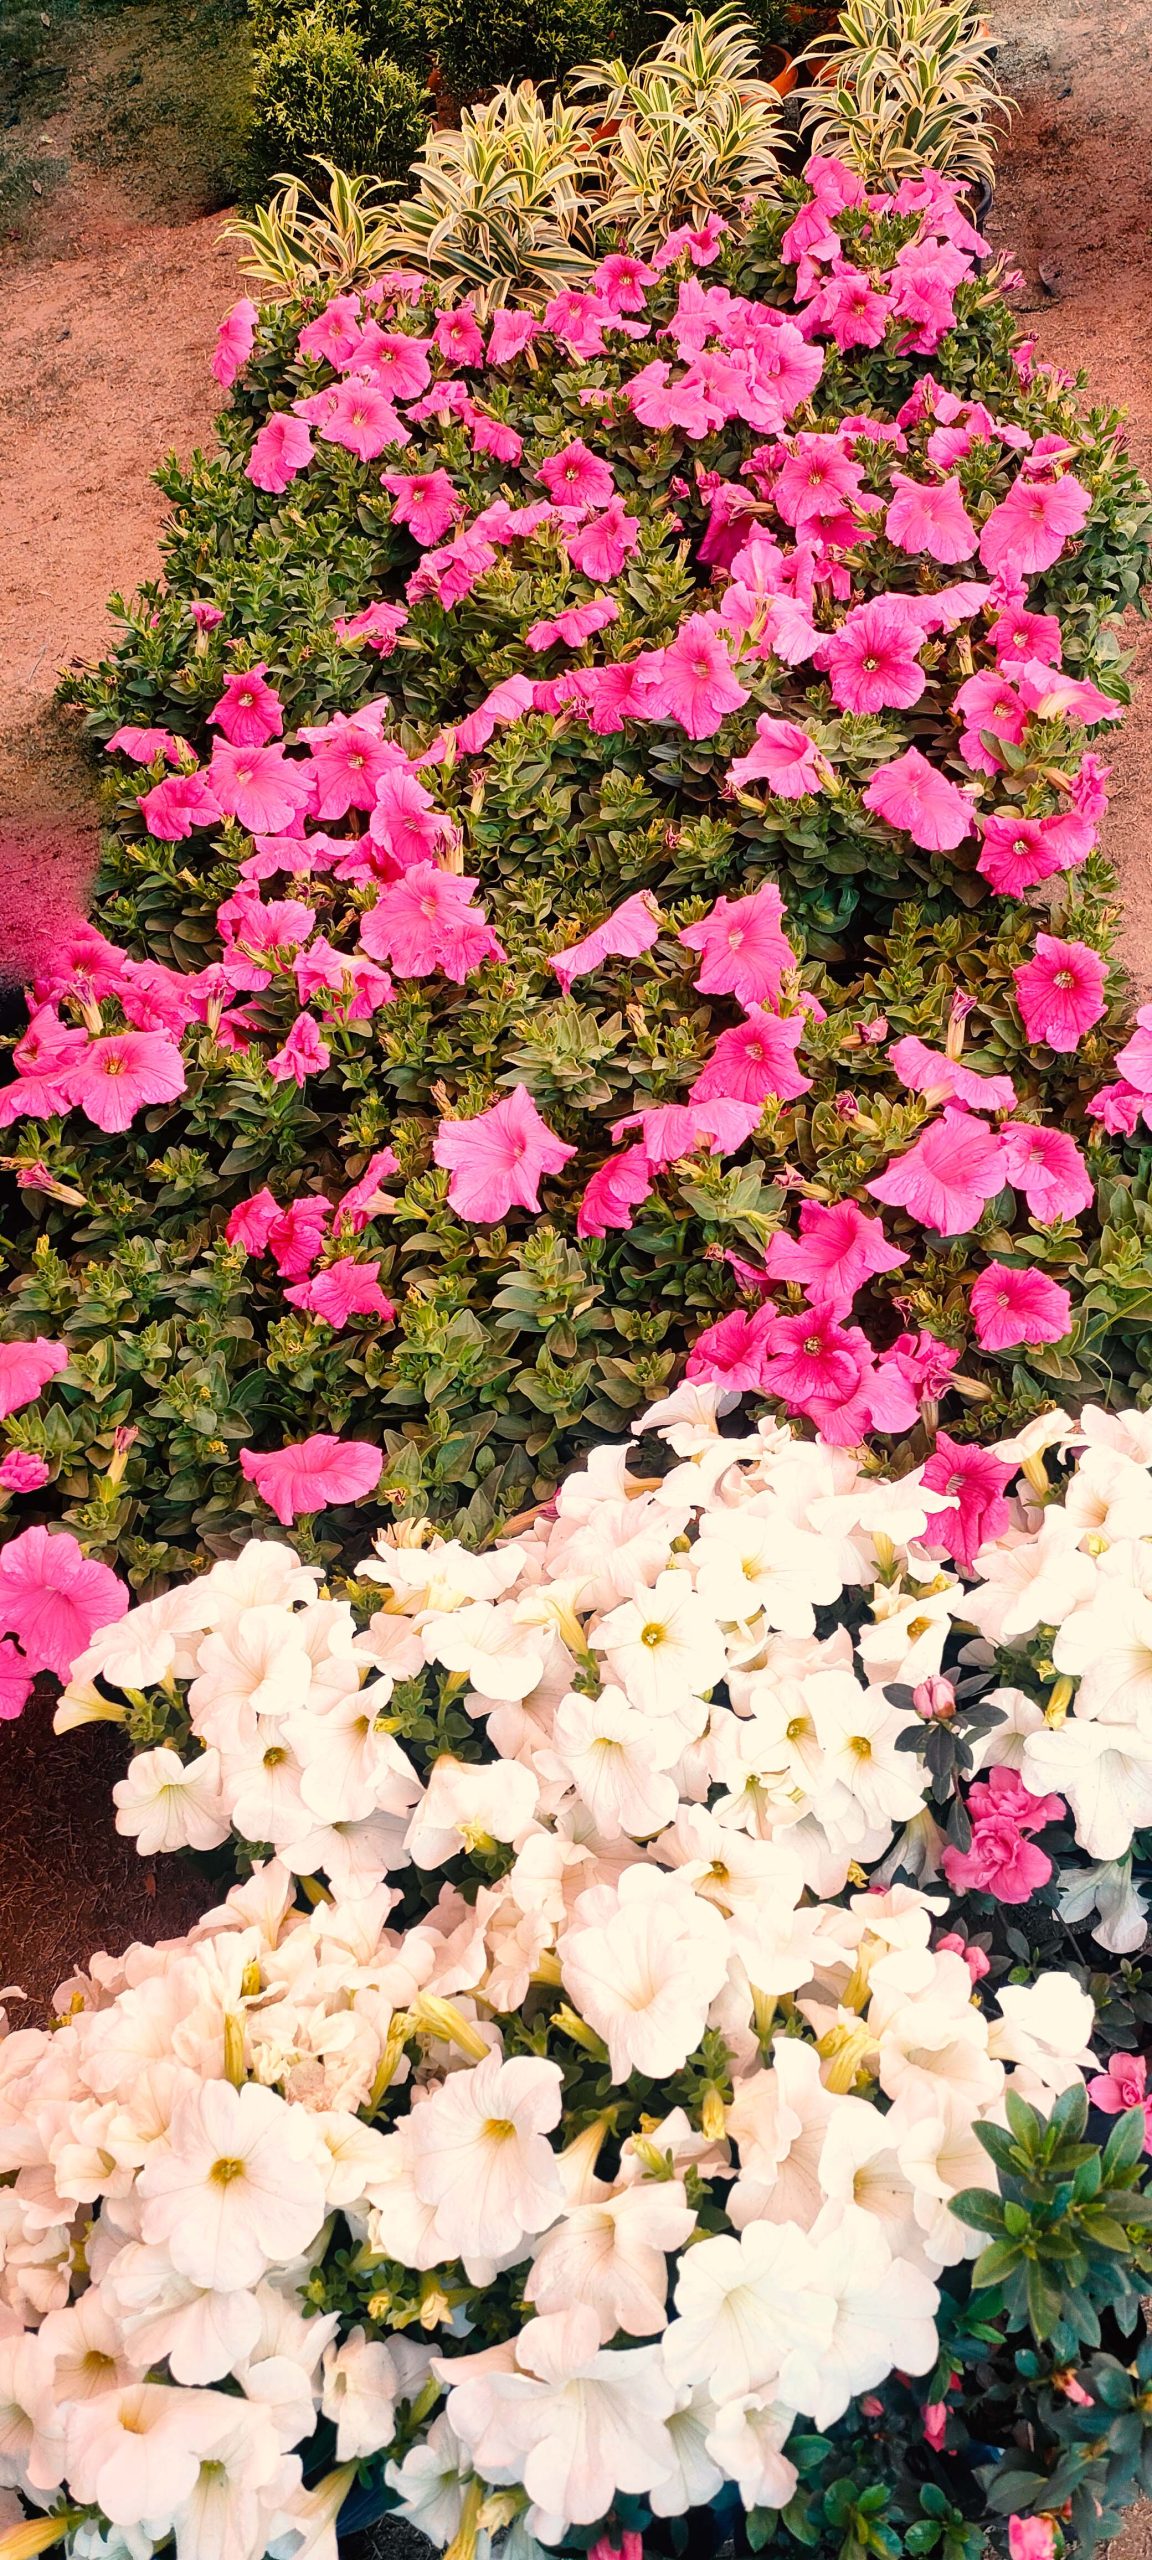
(745, 952)
(405, 823)
(173, 807)
(622, 282)
(1018, 852)
(335, 333)
(354, 988)
(989, 705)
(304, 1054)
(16, 1679)
(616, 1188)
(251, 1222)
(756, 1059)
(577, 477)
(784, 756)
(450, 572)
(249, 710)
(53, 1598)
(206, 616)
(733, 1352)
(946, 1176)
(259, 786)
(1134, 1060)
(351, 760)
(836, 1251)
(426, 501)
(1001, 1859)
(25, 1368)
(144, 745)
(1047, 1166)
(361, 1202)
(342, 1289)
(872, 660)
(977, 1479)
(1118, 1107)
(235, 339)
(600, 548)
(510, 333)
(911, 794)
(362, 419)
(118, 1076)
(426, 922)
(575, 625)
(394, 360)
(1060, 992)
(378, 627)
(930, 515)
(20, 1472)
(622, 936)
(1028, 530)
(312, 1475)
(1010, 1307)
(812, 1359)
(696, 686)
(297, 1233)
(497, 1159)
(671, 1130)
(926, 1070)
(458, 337)
(282, 448)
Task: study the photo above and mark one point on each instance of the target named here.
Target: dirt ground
(1074, 212)
(106, 367)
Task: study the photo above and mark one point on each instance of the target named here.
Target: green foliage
(517, 1346)
(476, 43)
(315, 91)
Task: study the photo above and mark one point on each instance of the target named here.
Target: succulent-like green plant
(689, 130)
(908, 85)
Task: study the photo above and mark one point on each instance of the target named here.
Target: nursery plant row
(574, 1383)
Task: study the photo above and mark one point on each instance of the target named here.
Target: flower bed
(628, 2093)
(600, 870)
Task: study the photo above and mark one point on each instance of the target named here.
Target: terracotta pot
(778, 69)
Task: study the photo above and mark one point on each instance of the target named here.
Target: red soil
(107, 331)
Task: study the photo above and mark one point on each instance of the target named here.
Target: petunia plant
(673, 2066)
(600, 880)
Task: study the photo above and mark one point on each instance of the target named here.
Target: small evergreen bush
(316, 91)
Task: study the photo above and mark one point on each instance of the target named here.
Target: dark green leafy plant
(317, 90)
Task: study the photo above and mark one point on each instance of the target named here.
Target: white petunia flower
(747, 2439)
(479, 2155)
(749, 2312)
(167, 1803)
(577, 2422)
(662, 1646)
(612, 2254)
(236, 2186)
(360, 2390)
(751, 1561)
(431, 2482)
(642, 1961)
(1109, 1646)
(618, 1761)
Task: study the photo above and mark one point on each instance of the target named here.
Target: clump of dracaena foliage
(625, 2096)
(600, 877)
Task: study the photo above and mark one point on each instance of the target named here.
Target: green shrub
(515, 1345)
(480, 42)
(316, 91)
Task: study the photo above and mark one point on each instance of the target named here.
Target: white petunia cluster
(674, 2065)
